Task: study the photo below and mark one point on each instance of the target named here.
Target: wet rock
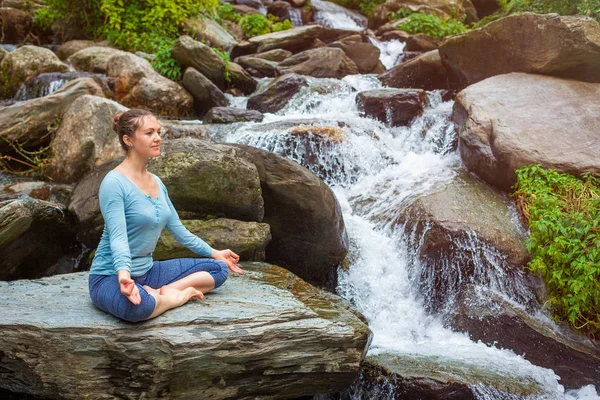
(465, 233)
(394, 35)
(174, 129)
(442, 8)
(209, 32)
(509, 121)
(271, 55)
(71, 47)
(423, 72)
(85, 139)
(324, 8)
(396, 107)
(249, 3)
(365, 55)
(33, 235)
(295, 39)
(15, 25)
(276, 95)
(266, 333)
(245, 10)
(246, 239)
(258, 67)
(139, 86)
(292, 193)
(228, 115)
(421, 42)
(547, 44)
(206, 95)
(280, 9)
(241, 79)
(191, 53)
(24, 63)
(93, 59)
(323, 62)
(47, 191)
(494, 321)
(28, 121)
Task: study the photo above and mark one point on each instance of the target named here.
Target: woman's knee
(221, 274)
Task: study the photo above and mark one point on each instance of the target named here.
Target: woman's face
(147, 138)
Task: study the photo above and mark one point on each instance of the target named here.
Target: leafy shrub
(256, 24)
(225, 56)
(428, 24)
(226, 11)
(43, 18)
(364, 6)
(165, 64)
(564, 219)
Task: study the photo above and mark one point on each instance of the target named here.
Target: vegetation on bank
(429, 24)
(563, 213)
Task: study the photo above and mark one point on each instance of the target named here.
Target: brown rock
(442, 8)
(280, 9)
(206, 95)
(15, 25)
(271, 55)
(394, 35)
(241, 79)
(364, 55)
(192, 53)
(322, 62)
(92, 59)
(259, 67)
(295, 39)
(421, 42)
(228, 115)
(276, 95)
(71, 47)
(245, 10)
(509, 121)
(424, 72)
(396, 107)
(485, 7)
(548, 44)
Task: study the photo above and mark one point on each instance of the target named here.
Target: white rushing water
(375, 172)
(335, 16)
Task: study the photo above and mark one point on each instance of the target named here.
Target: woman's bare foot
(155, 292)
(193, 293)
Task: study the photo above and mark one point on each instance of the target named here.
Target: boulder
(470, 225)
(28, 122)
(85, 139)
(257, 4)
(264, 333)
(245, 10)
(71, 47)
(271, 55)
(228, 115)
(93, 59)
(240, 79)
(421, 42)
(547, 44)
(47, 191)
(138, 85)
(422, 72)
(23, 63)
(209, 32)
(276, 95)
(33, 235)
(280, 9)
(364, 55)
(295, 40)
(325, 62)
(191, 53)
(15, 25)
(489, 318)
(305, 218)
(3, 53)
(395, 107)
(486, 7)
(206, 95)
(442, 8)
(25, 5)
(246, 239)
(400, 36)
(509, 121)
(174, 129)
(258, 67)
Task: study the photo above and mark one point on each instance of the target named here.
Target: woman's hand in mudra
(229, 258)
(128, 287)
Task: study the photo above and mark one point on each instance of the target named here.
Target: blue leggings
(106, 292)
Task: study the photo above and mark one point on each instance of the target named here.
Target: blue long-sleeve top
(133, 222)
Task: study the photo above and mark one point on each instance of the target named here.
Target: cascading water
(376, 172)
(334, 16)
(391, 52)
(295, 15)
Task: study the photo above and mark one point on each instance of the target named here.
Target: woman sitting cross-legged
(124, 280)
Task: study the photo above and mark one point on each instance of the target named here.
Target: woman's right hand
(128, 287)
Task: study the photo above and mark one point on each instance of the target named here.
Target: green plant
(165, 64)
(430, 24)
(23, 161)
(43, 18)
(226, 11)
(282, 26)
(225, 56)
(563, 214)
(255, 25)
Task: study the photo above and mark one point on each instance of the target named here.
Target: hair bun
(116, 119)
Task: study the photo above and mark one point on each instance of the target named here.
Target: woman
(124, 280)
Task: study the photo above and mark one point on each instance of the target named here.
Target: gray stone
(205, 93)
(241, 79)
(364, 55)
(33, 235)
(396, 107)
(191, 53)
(271, 55)
(509, 121)
(85, 139)
(47, 191)
(295, 39)
(263, 333)
(276, 95)
(324, 62)
(228, 115)
(28, 121)
(258, 67)
(209, 32)
(246, 239)
(71, 47)
(92, 59)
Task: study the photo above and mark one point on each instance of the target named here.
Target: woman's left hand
(229, 258)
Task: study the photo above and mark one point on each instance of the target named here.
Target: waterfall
(334, 16)
(375, 172)
(295, 15)
(47, 83)
(391, 52)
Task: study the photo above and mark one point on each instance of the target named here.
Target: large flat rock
(264, 334)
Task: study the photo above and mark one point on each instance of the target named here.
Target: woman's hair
(126, 123)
